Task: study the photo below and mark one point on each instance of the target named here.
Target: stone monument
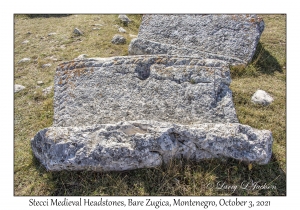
(129, 112)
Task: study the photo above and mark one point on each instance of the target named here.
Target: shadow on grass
(178, 178)
(265, 62)
(262, 63)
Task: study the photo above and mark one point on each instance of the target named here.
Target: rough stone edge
(199, 138)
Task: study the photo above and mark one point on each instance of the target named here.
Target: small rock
(97, 25)
(47, 90)
(47, 65)
(52, 58)
(82, 56)
(18, 88)
(25, 42)
(118, 39)
(28, 32)
(77, 31)
(96, 28)
(24, 60)
(132, 35)
(122, 30)
(40, 82)
(51, 34)
(124, 19)
(261, 97)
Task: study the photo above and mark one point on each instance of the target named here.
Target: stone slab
(175, 89)
(145, 144)
(227, 35)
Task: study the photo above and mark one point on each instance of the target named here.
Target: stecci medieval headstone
(163, 88)
(129, 112)
(231, 38)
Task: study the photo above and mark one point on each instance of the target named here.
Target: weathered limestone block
(144, 144)
(234, 36)
(175, 89)
(123, 113)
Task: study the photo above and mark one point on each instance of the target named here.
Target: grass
(34, 111)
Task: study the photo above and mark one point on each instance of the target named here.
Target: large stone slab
(140, 144)
(175, 89)
(232, 37)
(123, 113)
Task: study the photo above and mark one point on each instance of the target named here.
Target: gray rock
(18, 88)
(82, 56)
(233, 36)
(96, 28)
(25, 42)
(40, 82)
(177, 89)
(77, 31)
(24, 60)
(47, 90)
(118, 39)
(47, 65)
(51, 34)
(124, 19)
(145, 144)
(122, 30)
(261, 97)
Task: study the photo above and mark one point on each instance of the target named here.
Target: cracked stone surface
(176, 89)
(139, 46)
(233, 36)
(143, 144)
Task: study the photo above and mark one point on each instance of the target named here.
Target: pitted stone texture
(145, 144)
(228, 35)
(145, 47)
(181, 90)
